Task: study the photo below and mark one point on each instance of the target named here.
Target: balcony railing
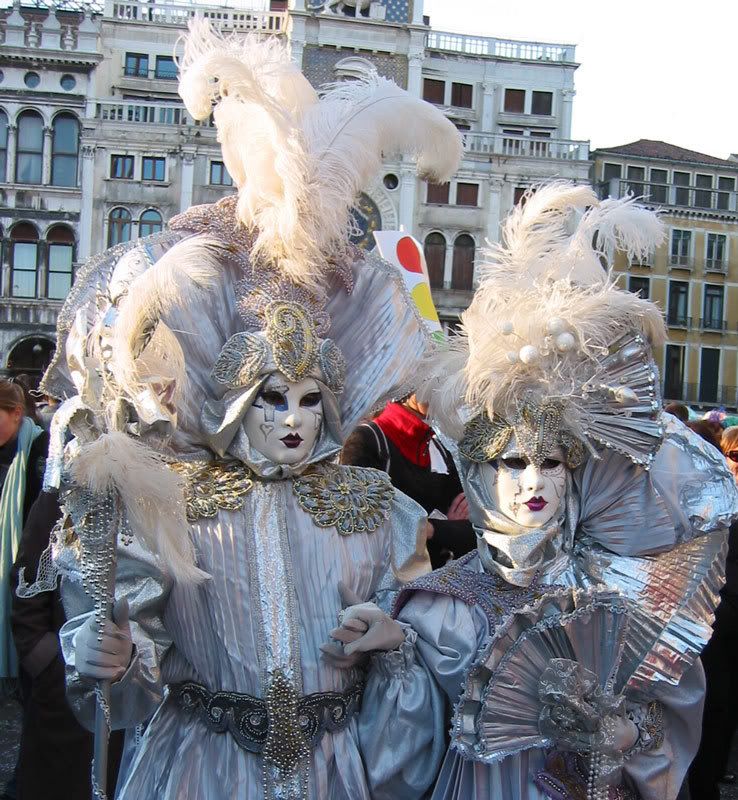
(700, 393)
(671, 194)
(719, 325)
(144, 113)
(524, 146)
(679, 261)
(678, 321)
(173, 13)
(716, 265)
(500, 48)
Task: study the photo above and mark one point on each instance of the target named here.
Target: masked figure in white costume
(213, 371)
(565, 648)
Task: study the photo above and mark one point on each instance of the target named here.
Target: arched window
(463, 265)
(119, 226)
(64, 150)
(435, 258)
(29, 154)
(150, 222)
(24, 260)
(3, 147)
(61, 259)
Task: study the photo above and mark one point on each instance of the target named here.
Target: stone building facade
(96, 148)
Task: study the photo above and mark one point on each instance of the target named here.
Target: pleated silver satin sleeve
(402, 726)
(135, 697)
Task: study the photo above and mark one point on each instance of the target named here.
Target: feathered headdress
(299, 161)
(550, 349)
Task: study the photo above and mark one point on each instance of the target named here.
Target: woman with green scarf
(23, 446)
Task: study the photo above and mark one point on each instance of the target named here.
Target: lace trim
(395, 663)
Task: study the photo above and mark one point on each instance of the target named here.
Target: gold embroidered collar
(351, 499)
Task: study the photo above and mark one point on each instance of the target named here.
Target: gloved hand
(364, 626)
(109, 658)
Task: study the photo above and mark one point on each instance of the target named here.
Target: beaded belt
(252, 722)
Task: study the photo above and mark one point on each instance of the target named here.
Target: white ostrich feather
(356, 124)
(180, 276)
(246, 65)
(299, 163)
(152, 494)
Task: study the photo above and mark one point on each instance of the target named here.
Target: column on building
(494, 209)
(187, 184)
(487, 119)
(12, 143)
(415, 57)
(46, 168)
(448, 264)
(87, 186)
(417, 6)
(408, 193)
(567, 103)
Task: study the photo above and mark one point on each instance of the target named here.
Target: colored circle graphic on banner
(422, 296)
(408, 255)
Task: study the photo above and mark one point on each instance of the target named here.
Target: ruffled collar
(408, 432)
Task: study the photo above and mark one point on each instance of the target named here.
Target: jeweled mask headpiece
(550, 349)
(288, 323)
(537, 430)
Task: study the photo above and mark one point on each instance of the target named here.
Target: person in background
(719, 658)
(400, 442)
(707, 431)
(27, 387)
(23, 446)
(679, 410)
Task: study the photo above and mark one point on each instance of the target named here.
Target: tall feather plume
(299, 163)
(357, 123)
(261, 97)
(152, 494)
(181, 275)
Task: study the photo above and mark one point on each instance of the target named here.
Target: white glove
(109, 658)
(364, 626)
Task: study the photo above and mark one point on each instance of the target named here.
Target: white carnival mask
(283, 423)
(529, 494)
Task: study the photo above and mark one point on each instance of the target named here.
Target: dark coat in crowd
(55, 750)
(398, 441)
(719, 659)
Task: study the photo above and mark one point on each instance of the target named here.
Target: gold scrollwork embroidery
(351, 499)
(484, 438)
(213, 485)
(292, 335)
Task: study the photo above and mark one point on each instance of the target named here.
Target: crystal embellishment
(241, 360)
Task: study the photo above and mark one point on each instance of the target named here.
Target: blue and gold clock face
(366, 219)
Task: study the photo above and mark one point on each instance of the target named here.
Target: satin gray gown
(271, 601)
(657, 539)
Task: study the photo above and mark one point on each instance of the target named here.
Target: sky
(650, 69)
